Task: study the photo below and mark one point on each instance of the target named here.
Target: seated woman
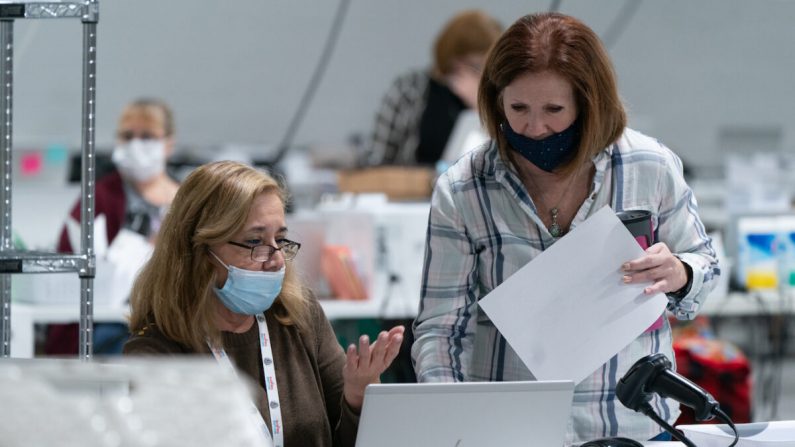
(220, 282)
(132, 198)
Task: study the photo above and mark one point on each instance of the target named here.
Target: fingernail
(365, 339)
(625, 267)
(626, 279)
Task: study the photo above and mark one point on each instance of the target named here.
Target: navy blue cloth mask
(547, 153)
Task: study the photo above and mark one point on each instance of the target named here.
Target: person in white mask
(129, 201)
(221, 283)
(144, 141)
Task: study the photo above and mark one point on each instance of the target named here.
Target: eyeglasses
(263, 252)
(127, 135)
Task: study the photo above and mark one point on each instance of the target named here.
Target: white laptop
(469, 414)
(467, 134)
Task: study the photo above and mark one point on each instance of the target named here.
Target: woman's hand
(365, 366)
(464, 82)
(666, 272)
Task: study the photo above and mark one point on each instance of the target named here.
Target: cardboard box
(397, 182)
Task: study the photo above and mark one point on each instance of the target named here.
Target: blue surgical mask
(548, 153)
(249, 292)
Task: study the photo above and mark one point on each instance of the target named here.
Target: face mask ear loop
(219, 259)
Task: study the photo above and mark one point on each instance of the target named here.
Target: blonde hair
(175, 288)
(570, 49)
(468, 32)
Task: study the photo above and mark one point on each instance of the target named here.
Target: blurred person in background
(420, 109)
(131, 200)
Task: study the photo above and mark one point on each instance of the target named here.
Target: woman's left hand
(365, 366)
(658, 265)
(464, 82)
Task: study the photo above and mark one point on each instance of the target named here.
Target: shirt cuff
(687, 307)
(348, 411)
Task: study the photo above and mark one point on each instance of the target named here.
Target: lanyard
(271, 390)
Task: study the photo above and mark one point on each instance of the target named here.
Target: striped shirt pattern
(483, 227)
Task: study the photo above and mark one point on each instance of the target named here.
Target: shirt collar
(500, 168)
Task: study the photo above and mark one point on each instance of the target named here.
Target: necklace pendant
(554, 229)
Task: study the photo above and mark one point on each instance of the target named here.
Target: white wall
(235, 70)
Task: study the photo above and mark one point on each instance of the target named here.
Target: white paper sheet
(567, 312)
(125, 257)
(100, 234)
(117, 264)
(757, 434)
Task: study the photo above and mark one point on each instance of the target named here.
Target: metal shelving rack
(13, 261)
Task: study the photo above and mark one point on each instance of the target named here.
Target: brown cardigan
(308, 372)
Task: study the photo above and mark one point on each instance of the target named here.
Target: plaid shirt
(397, 124)
(483, 227)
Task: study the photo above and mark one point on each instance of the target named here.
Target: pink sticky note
(31, 163)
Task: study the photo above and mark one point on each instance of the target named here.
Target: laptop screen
(466, 414)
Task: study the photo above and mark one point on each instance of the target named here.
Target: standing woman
(220, 282)
(560, 151)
